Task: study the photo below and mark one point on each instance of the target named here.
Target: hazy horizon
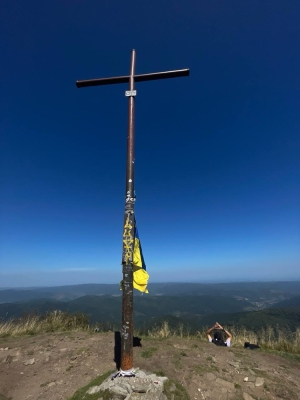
(207, 281)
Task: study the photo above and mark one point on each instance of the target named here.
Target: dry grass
(271, 338)
(50, 322)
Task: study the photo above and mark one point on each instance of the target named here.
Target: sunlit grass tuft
(50, 322)
(270, 338)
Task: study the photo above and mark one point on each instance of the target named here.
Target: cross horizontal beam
(138, 78)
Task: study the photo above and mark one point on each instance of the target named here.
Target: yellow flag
(140, 275)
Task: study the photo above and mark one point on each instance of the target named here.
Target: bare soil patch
(53, 366)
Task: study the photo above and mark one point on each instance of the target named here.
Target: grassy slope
(292, 302)
(108, 308)
(285, 318)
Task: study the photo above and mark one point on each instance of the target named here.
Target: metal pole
(129, 221)
(128, 235)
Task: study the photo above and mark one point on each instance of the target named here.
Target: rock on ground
(144, 386)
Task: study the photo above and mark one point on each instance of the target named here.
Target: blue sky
(217, 154)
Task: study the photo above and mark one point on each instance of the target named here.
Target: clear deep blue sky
(217, 154)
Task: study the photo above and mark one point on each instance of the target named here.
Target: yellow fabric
(140, 275)
(140, 279)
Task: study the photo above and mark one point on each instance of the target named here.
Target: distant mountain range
(252, 305)
(261, 293)
(63, 293)
(108, 308)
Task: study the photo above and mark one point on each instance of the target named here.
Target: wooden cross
(129, 221)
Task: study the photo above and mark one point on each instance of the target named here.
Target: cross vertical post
(129, 219)
(128, 235)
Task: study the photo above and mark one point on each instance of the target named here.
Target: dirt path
(59, 364)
